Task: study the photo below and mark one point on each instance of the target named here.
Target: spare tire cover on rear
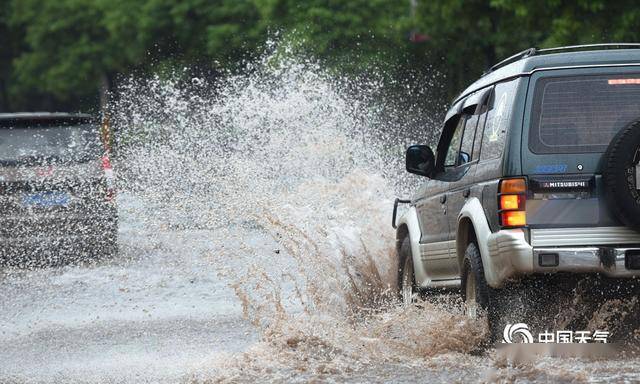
(621, 174)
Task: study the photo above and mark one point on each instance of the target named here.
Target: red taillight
(512, 202)
(106, 162)
(513, 219)
(512, 196)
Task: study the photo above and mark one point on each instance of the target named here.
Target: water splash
(297, 168)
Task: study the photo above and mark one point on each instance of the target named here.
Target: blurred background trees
(65, 54)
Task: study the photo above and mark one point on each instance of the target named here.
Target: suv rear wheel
(474, 288)
(406, 279)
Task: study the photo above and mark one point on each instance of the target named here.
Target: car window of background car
(61, 144)
(454, 144)
(497, 120)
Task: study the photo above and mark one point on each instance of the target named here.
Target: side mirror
(420, 160)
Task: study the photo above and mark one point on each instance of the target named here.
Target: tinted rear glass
(582, 114)
(51, 143)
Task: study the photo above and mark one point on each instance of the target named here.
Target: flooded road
(163, 312)
(157, 312)
(255, 247)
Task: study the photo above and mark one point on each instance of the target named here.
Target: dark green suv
(536, 172)
(57, 196)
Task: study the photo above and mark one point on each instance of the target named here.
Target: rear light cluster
(512, 197)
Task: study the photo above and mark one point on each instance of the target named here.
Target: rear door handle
(443, 199)
(466, 192)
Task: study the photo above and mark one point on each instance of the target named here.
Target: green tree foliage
(60, 53)
(8, 50)
(75, 47)
(69, 49)
(578, 22)
(352, 33)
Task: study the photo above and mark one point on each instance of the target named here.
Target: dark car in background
(57, 196)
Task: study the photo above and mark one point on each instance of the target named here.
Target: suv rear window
(52, 143)
(581, 114)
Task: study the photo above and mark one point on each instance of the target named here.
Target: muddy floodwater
(162, 312)
(256, 246)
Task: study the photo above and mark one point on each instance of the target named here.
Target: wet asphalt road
(156, 313)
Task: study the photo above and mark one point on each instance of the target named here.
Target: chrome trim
(583, 236)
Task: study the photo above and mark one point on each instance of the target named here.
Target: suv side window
(497, 120)
(466, 148)
(454, 145)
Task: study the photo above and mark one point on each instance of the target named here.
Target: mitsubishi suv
(536, 172)
(56, 189)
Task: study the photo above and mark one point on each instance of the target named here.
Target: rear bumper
(56, 237)
(36, 251)
(511, 254)
(57, 224)
(609, 261)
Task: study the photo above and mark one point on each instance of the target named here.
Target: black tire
(473, 274)
(485, 297)
(406, 277)
(619, 178)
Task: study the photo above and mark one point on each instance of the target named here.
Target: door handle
(443, 199)
(466, 192)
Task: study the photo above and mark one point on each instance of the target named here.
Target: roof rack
(512, 59)
(535, 51)
(591, 46)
